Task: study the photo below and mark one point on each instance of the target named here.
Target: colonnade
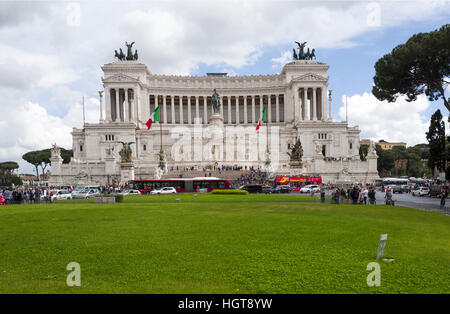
(235, 109)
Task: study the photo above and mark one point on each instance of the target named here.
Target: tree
(436, 140)
(421, 65)
(386, 160)
(41, 158)
(6, 172)
(66, 154)
(363, 150)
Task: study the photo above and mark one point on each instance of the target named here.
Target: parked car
(396, 189)
(282, 189)
(252, 188)
(267, 189)
(435, 190)
(165, 190)
(420, 191)
(405, 188)
(131, 192)
(61, 195)
(310, 188)
(85, 193)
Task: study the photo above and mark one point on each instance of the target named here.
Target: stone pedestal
(126, 172)
(216, 120)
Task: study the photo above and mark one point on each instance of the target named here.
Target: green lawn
(221, 244)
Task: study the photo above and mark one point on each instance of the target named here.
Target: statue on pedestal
(215, 102)
(125, 153)
(296, 154)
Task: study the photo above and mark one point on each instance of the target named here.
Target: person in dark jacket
(354, 194)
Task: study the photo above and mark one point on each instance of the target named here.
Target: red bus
(181, 184)
(297, 182)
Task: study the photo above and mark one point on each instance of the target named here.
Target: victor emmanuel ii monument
(210, 120)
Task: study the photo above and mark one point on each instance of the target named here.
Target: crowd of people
(355, 195)
(21, 195)
(256, 176)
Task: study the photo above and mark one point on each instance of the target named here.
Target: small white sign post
(381, 246)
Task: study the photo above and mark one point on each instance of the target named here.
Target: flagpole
(267, 126)
(84, 117)
(160, 135)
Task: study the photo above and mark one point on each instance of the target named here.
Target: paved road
(407, 200)
(418, 202)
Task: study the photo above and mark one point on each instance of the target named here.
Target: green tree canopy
(421, 65)
(436, 140)
(363, 150)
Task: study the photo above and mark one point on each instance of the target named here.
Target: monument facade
(210, 120)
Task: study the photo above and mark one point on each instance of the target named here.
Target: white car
(85, 193)
(421, 191)
(131, 192)
(61, 195)
(310, 188)
(166, 190)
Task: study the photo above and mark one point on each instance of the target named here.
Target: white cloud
(279, 62)
(400, 121)
(28, 126)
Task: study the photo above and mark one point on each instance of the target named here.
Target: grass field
(221, 244)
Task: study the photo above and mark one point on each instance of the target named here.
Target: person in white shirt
(365, 194)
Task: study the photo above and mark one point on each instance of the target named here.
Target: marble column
(172, 105)
(180, 103)
(126, 104)
(108, 104)
(245, 110)
(314, 90)
(277, 107)
(269, 108)
(237, 109)
(197, 109)
(117, 105)
(189, 109)
(253, 109)
(304, 104)
(165, 108)
(205, 109)
(229, 109)
(261, 106)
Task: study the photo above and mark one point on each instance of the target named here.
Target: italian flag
(153, 117)
(262, 118)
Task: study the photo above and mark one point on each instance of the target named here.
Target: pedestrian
(354, 194)
(337, 194)
(371, 195)
(443, 196)
(365, 195)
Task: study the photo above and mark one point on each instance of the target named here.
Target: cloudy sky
(51, 53)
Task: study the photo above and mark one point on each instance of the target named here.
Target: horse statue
(135, 57)
(313, 54)
(308, 55)
(301, 46)
(129, 52)
(121, 55)
(294, 55)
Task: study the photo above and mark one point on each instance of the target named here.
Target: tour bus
(296, 183)
(181, 184)
(398, 185)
